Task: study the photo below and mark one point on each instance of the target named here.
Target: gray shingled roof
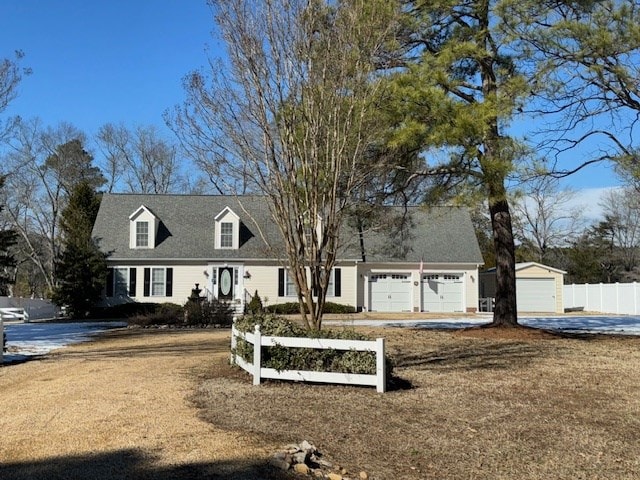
(440, 234)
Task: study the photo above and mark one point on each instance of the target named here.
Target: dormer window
(226, 235)
(227, 230)
(143, 228)
(142, 234)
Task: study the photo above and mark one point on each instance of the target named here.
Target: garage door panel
(390, 292)
(442, 292)
(536, 294)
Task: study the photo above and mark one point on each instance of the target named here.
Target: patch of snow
(25, 340)
(621, 325)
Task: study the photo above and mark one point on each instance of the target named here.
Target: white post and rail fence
(616, 298)
(378, 380)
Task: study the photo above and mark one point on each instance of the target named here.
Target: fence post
(381, 367)
(2, 334)
(234, 344)
(257, 355)
(601, 309)
(586, 297)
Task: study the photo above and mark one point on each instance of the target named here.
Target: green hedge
(292, 308)
(134, 309)
(284, 358)
(205, 312)
(161, 314)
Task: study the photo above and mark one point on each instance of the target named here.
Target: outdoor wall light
(247, 275)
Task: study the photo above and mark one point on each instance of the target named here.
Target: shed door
(536, 294)
(390, 292)
(442, 292)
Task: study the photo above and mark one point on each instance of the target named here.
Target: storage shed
(539, 288)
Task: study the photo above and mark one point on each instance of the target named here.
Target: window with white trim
(158, 282)
(121, 281)
(226, 235)
(290, 286)
(142, 234)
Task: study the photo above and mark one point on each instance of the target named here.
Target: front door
(225, 283)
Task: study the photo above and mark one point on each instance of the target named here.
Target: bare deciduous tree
(290, 115)
(621, 209)
(140, 158)
(545, 217)
(10, 76)
(41, 167)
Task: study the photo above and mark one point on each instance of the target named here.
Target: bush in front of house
(255, 304)
(159, 314)
(208, 312)
(284, 358)
(125, 310)
(292, 308)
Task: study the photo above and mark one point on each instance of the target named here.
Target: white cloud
(588, 201)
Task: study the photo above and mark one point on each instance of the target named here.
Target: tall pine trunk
(505, 312)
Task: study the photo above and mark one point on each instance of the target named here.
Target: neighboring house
(539, 288)
(160, 246)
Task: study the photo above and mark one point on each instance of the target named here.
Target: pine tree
(7, 260)
(82, 265)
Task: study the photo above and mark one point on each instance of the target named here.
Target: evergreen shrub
(284, 358)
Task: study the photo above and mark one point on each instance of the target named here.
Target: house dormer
(227, 230)
(143, 228)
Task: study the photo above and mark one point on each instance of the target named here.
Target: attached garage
(539, 288)
(390, 292)
(442, 292)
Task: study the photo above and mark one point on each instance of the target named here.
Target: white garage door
(390, 292)
(536, 294)
(442, 292)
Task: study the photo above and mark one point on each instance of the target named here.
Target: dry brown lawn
(118, 408)
(477, 405)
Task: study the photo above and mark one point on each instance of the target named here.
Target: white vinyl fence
(379, 379)
(618, 298)
(14, 314)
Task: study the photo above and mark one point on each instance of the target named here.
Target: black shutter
(169, 286)
(109, 282)
(281, 282)
(147, 281)
(132, 282)
(337, 282)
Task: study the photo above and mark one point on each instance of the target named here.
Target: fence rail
(14, 314)
(379, 379)
(618, 298)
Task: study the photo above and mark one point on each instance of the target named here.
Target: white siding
(264, 279)
(184, 279)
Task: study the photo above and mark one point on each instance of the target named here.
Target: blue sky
(113, 61)
(100, 61)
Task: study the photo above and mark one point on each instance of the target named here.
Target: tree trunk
(505, 312)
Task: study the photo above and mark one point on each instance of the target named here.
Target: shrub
(292, 308)
(126, 310)
(205, 312)
(331, 307)
(255, 305)
(159, 314)
(283, 358)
